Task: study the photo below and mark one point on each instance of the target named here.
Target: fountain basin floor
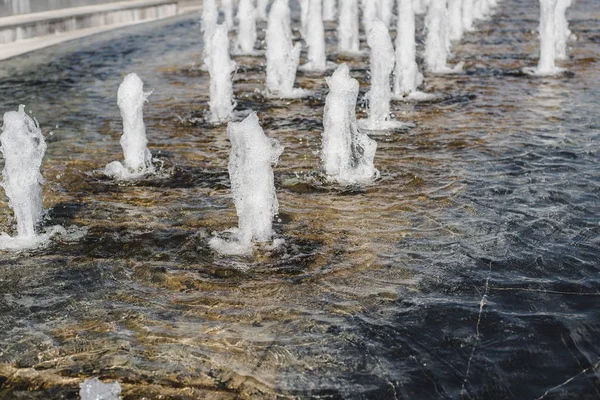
(468, 269)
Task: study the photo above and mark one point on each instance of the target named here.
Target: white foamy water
(455, 15)
(347, 153)
(437, 43)
(561, 25)
(329, 10)
(94, 389)
(208, 23)
(283, 56)
(252, 185)
(227, 8)
(261, 9)
(138, 160)
(315, 38)
(348, 29)
(220, 67)
(548, 34)
(246, 30)
(407, 77)
(382, 62)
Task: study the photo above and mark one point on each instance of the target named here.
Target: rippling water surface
(468, 270)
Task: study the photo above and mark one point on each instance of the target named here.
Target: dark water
(468, 270)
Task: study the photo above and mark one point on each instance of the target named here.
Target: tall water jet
(547, 32)
(467, 15)
(283, 56)
(227, 7)
(246, 30)
(210, 17)
(369, 12)
(261, 10)
(455, 14)
(304, 6)
(385, 11)
(562, 28)
(252, 185)
(380, 94)
(329, 10)
(138, 160)
(220, 67)
(348, 29)
(23, 148)
(315, 38)
(407, 77)
(347, 153)
(437, 44)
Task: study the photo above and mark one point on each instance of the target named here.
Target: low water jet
(210, 17)
(261, 9)
(246, 29)
(137, 158)
(347, 153)
(455, 12)
(252, 185)
(380, 94)
(227, 8)
(220, 67)
(348, 29)
(23, 148)
(329, 10)
(563, 34)
(547, 30)
(315, 38)
(283, 56)
(437, 44)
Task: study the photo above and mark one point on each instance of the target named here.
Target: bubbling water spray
(347, 153)
(384, 11)
(220, 67)
(437, 43)
(562, 28)
(329, 10)
(407, 77)
(283, 56)
(369, 11)
(23, 148)
(252, 186)
(467, 15)
(347, 29)
(382, 64)
(210, 16)
(261, 9)
(227, 7)
(138, 160)
(246, 31)
(315, 38)
(455, 11)
(547, 29)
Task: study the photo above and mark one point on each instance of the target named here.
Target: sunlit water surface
(468, 270)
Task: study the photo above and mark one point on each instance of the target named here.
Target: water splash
(246, 30)
(283, 56)
(227, 8)
(407, 77)
(252, 186)
(315, 38)
(561, 24)
(138, 160)
(347, 153)
(380, 94)
(385, 11)
(467, 15)
(23, 148)
(455, 28)
(420, 6)
(329, 10)
(94, 389)
(369, 12)
(261, 10)
(210, 16)
(437, 44)
(347, 29)
(220, 67)
(547, 29)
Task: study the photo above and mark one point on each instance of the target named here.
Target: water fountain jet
(380, 94)
(220, 67)
(329, 10)
(315, 38)
(437, 44)
(137, 158)
(562, 33)
(261, 10)
(347, 153)
(348, 29)
(227, 7)
(210, 16)
(547, 30)
(283, 56)
(252, 185)
(369, 12)
(455, 13)
(23, 148)
(246, 30)
(385, 11)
